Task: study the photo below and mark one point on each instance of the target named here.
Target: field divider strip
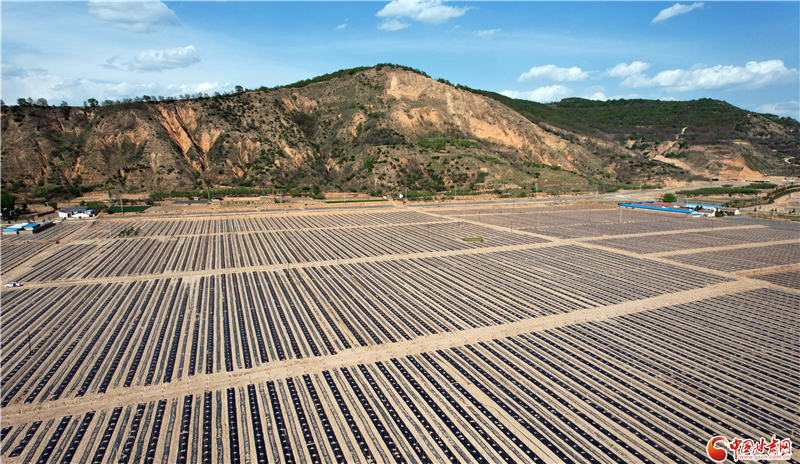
(15, 414)
(722, 248)
(768, 270)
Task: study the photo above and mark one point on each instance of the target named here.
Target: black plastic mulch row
(262, 348)
(323, 418)
(206, 445)
(210, 326)
(310, 314)
(176, 337)
(362, 443)
(297, 276)
(423, 456)
(150, 454)
(151, 371)
(142, 344)
(186, 422)
(303, 328)
(301, 417)
(546, 403)
(464, 414)
(476, 454)
(418, 414)
(89, 348)
(345, 321)
(248, 362)
(271, 328)
(106, 439)
(283, 436)
(376, 421)
(282, 314)
(51, 444)
(233, 427)
(76, 440)
(194, 360)
(25, 440)
(655, 439)
(226, 325)
(258, 431)
(125, 343)
(127, 448)
(8, 395)
(482, 408)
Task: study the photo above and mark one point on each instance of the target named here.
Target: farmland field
(564, 334)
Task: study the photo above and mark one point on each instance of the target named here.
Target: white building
(76, 212)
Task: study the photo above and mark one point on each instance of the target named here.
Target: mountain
(380, 129)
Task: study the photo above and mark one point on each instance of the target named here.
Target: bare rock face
(187, 131)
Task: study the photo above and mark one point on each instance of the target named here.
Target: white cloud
(38, 83)
(341, 26)
(430, 12)
(791, 108)
(393, 25)
(625, 70)
(487, 34)
(753, 75)
(596, 96)
(675, 10)
(12, 70)
(551, 72)
(160, 60)
(133, 16)
(109, 64)
(542, 94)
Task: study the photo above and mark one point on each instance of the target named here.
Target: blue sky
(746, 53)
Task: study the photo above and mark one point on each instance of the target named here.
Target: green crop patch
(126, 209)
(354, 201)
(472, 239)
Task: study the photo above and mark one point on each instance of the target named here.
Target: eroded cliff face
(194, 139)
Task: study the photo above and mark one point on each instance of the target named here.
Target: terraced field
(386, 337)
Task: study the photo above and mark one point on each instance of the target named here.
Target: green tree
(669, 198)
(239, 89)
(7, 201)
(92, 102)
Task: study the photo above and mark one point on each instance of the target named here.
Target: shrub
(669, 198)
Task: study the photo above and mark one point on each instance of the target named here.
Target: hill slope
(379, 129)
